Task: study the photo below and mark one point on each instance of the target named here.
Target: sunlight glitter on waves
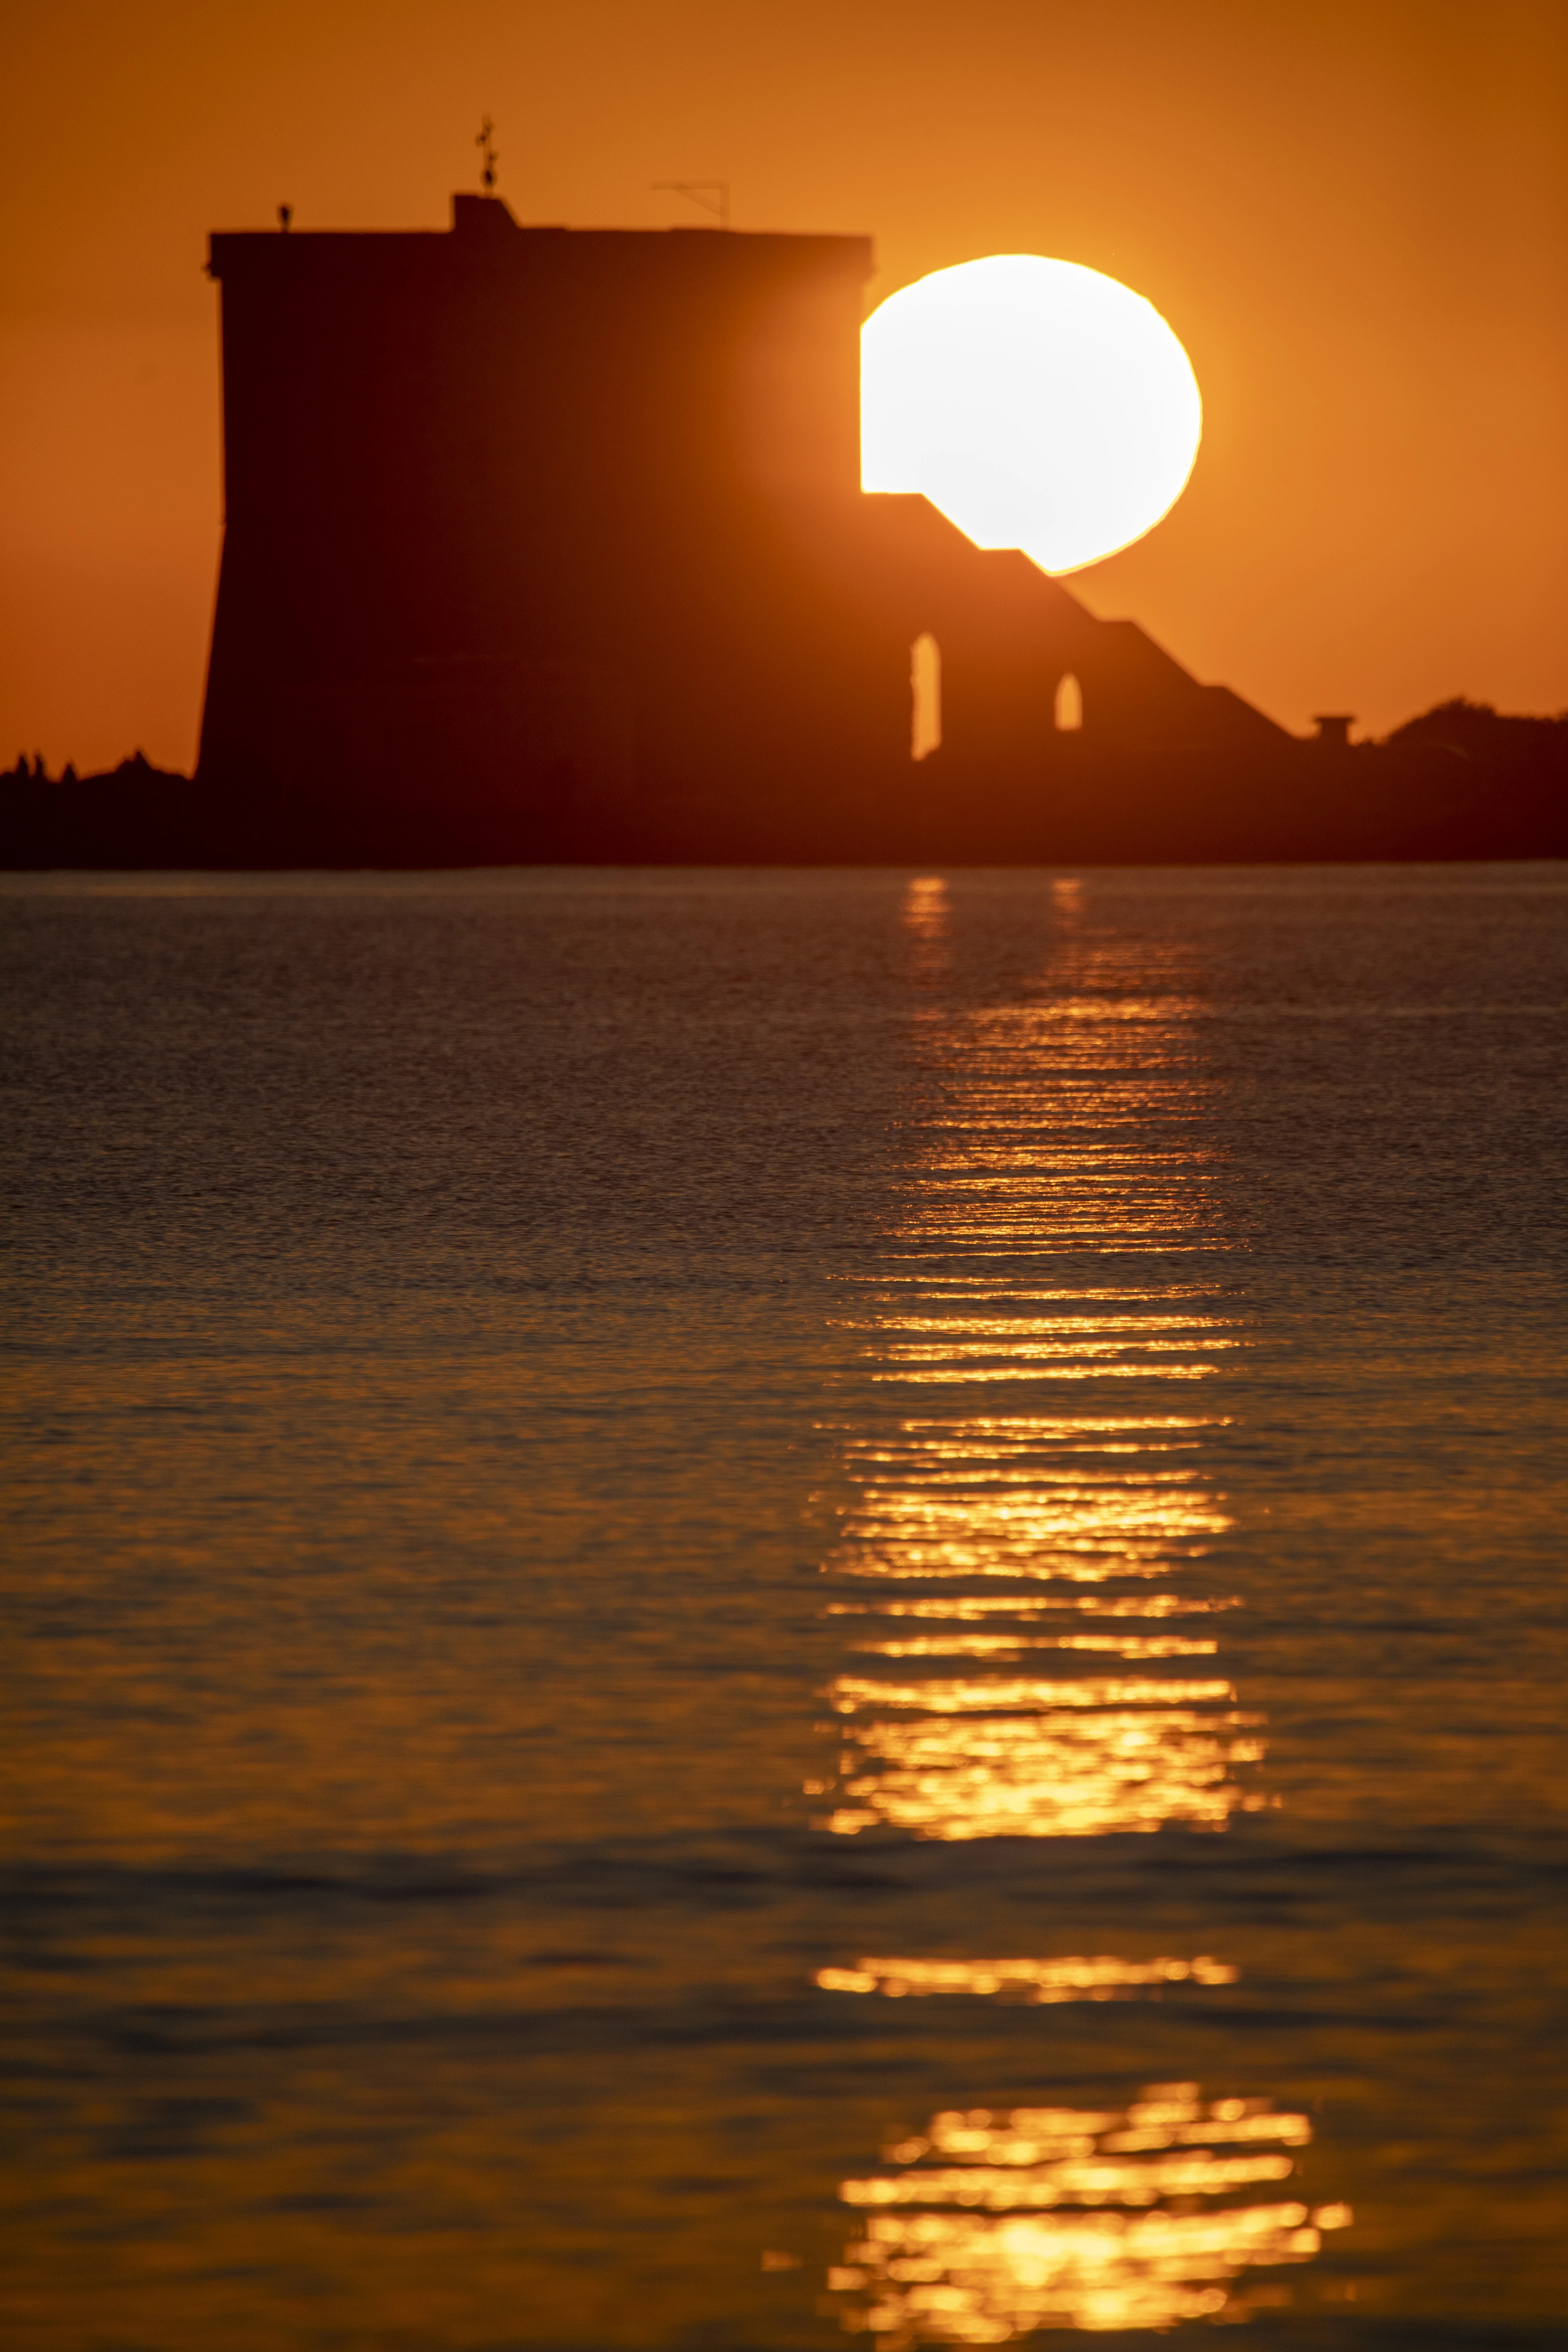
(848, 1693)
(985, 1435)
(1075, 1371)
(1088, 1565)
(1072, 1094)
(1029, 1532)
(894, 1522)
(1171, 1013)
(1076, 1773)
(1116, 1204)
(1047, 1507)
(979, 1450)
(1031, 1498)
(1098, 1097)
(1073, 1354)
(1060, 1236)
(934, 1367)
(966, 2278)
(1086, 1561)
(1070, 1978)
(1013, 1167)
(977, 1605)
(1054, 1123)
(1094, 1097)
(965, 1287)
(1035, 2135)
(992, 1169)
(981, 1475)
(1003, 1476)
(1017, 1326)
(1049, 1230)
(1084, 2181)
(1066, 1124)
(1002, 1187)
(1105, 1142)
(1033, 1350)
(1066, 1078)
(1080, 1563)
(998, 1203)
(1054, 1232)
(1052, 1501)
(981, 2249)
(1005, 1646)
(1104, 1130)
(955, 1232)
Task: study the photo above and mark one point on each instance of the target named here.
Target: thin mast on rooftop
(486, 145)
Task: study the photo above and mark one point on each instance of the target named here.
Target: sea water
(752, 1608)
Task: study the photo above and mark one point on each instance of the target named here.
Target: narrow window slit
(925, 693)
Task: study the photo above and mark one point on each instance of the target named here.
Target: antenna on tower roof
(713, 195)
(486, 145)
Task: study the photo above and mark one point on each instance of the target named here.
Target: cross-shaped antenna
(713, 195)
(486, 145)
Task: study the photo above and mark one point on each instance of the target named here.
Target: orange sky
(1354, 213)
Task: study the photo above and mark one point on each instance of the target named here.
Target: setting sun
(1040, 405)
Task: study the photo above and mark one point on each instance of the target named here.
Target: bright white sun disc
(1040, 405)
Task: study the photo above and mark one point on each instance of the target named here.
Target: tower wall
(480, 481)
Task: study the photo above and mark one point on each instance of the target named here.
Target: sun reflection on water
(1062, 1128)
(1026, 1495)
(998, 2223)
(960, 1748)
(1063, 1140)
(1037, 1982)
(1046, 1776)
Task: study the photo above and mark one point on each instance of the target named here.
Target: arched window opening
(1070, 704)
(925, 694)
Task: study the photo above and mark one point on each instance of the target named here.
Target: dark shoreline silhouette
(1462, 782)
(546, 545)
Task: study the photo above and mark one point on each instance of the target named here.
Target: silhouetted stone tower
(553, 538)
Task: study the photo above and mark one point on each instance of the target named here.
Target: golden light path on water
(1062, 1143)
(1030, 1651)
(996, 2223)
(1036, 1981)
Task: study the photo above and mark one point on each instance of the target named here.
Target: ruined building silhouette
(550, 542)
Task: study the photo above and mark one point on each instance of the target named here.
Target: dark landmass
(1461, 782)
(548, 546)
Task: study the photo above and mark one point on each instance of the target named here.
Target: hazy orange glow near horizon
(1353, 215)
